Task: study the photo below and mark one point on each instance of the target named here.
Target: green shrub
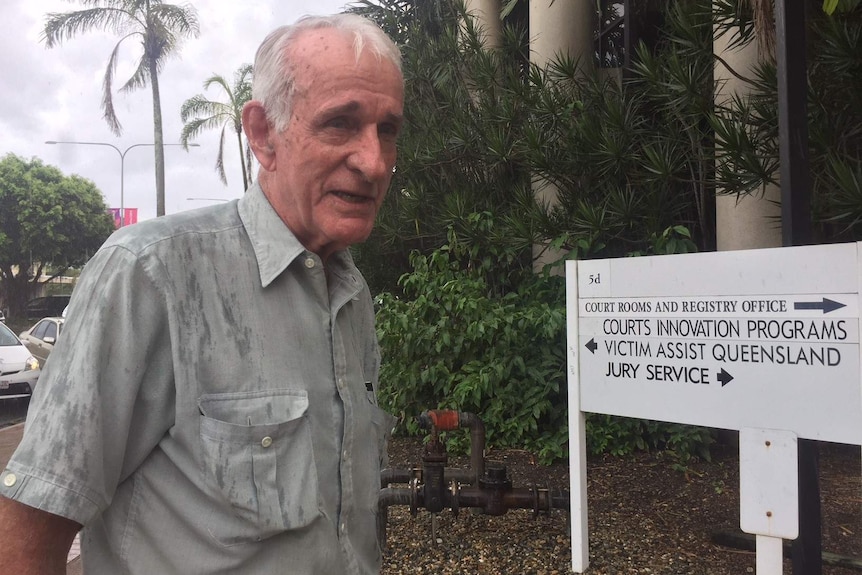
(453, 340)
(461, 337)
(625, 435)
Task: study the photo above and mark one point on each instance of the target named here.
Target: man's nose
(369, 156)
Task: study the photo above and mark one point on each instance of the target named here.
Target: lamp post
(122, 154)
(208, 199)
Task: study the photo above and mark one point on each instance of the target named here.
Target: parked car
(19, 370)
(46, 306)
(40, 338)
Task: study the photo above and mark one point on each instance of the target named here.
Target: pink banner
(115, 213)
(131, 216)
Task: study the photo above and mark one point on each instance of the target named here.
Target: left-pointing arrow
(592, 345)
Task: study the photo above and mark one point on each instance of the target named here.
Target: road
(13, 411)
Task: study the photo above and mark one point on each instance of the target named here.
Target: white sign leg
(577, 433)
(578, 490)
(770, 555)
(768, 493)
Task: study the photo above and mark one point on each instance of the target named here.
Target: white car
(40, 338)
(19, 370)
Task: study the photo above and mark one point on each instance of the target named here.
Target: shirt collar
(274, 245)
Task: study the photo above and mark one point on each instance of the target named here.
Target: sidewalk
(9, 439)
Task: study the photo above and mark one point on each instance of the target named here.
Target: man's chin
(346, 236)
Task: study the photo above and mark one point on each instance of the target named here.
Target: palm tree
(199, 113)
(159, 27)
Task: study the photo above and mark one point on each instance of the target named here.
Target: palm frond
(219, 81)
(140, 78)
(193, 128)
(182, 20)
(201, 113)
(200, 105)
(63, 26)
(110, 114)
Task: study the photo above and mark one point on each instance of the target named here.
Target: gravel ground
(644, 518)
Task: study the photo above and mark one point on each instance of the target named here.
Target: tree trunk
(245, 182)
(16, 293)
(158, 139)
(250, 165)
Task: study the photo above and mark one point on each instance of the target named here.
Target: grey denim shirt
(210, 407)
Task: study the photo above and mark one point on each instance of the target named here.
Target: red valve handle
(444, 419)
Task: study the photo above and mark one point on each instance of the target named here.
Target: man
(211, 408)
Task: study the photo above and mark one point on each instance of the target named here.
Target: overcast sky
(55, 95)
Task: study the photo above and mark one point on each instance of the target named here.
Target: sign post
(768, 493)
(756, 339)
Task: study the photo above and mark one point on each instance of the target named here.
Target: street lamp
(122, 154)
(208, 199)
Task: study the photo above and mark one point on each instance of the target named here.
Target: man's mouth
(352, 198)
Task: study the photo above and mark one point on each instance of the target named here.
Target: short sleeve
(105, 396)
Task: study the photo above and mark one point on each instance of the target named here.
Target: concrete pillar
(561, 26)
(752, 221)
(487, 15)
(558, 26)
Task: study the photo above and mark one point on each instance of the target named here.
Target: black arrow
(826, 305)
(592, 345)
(724, 377)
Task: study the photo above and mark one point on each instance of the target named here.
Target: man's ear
(259, 133)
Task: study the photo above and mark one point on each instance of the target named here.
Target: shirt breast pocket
(257, 452)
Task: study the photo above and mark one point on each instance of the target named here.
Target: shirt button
(344, 454)
(10, 480)
(266, 441)
(309, 263)
(343, 527)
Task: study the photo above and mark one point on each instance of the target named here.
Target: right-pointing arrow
(724, 377)
(826, 305)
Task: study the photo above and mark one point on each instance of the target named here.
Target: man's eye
(339, 123)
(388, 130)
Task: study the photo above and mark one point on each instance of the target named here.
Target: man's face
(334, 161)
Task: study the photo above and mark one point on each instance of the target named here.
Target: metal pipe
(389, 496)
(448, 420)
(391, 475)
(477, 443)
(484, 487)
(537, 499)
(434, 459)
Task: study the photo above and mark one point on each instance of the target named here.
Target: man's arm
(35, 542)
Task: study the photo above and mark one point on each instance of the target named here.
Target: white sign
(762, 341)
(757, 338)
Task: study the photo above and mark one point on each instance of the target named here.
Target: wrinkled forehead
(322, 47)
(320, 53)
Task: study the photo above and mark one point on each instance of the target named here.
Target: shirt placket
(342, 291)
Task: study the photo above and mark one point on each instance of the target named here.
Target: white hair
(274, 80)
